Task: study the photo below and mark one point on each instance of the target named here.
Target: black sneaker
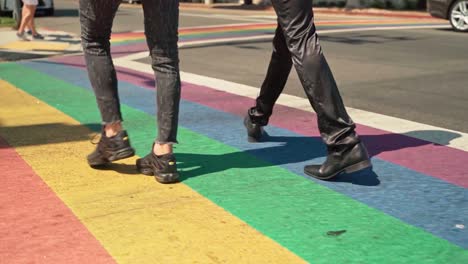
(164, 168)
(111, 149)
(254, 121)
(37, 37)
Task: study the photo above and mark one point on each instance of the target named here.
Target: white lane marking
(392, 124)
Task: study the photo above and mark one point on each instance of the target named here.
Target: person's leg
(24, 19)
(31, 24)
(336, 127)
(161, 25)
(96, 18)
(275, 80)
(277, 74)
(26, 16)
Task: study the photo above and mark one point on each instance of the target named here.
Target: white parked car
(45, 7)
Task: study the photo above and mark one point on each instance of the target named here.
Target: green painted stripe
(295, 212)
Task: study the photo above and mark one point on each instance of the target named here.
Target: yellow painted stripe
(136, 219)
(36, 45)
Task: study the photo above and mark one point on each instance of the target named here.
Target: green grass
(7, 22)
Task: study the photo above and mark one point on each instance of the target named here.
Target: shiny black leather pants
(296, 43)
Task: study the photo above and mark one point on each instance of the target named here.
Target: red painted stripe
(35, 225)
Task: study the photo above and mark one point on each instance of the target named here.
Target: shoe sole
(350, 169)
(122, 154)
(167, 178)
(164, 178)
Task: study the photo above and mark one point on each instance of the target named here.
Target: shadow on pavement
(300, 149)
(377, 144)
(70, 39)
(289, 150)
(365, 39)
(66, 13)
(122, 168)
(14, 56)
(294, 150)
(51, 133)
(448, 29)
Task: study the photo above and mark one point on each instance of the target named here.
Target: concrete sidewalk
(54, 43)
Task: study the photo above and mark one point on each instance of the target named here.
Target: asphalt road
(418, 74)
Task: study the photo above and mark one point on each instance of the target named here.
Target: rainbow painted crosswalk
(237, 202)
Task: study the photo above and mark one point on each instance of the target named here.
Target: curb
(374, 12)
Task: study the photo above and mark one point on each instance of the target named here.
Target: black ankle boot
(352, 160)
(254, 121)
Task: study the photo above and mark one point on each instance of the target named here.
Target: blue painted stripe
(420, 200)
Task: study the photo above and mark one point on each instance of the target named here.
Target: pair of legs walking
(295, 44)
(27, 20)
(161, 25)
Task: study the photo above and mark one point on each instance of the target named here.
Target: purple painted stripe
(426, 157)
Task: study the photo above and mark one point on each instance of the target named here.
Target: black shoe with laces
(111, 149)
(164, 168)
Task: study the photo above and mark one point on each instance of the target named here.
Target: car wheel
(459, 15)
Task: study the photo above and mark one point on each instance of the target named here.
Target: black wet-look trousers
(296, 43)
(161, 24)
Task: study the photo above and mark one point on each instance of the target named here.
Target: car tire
(458, 15)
